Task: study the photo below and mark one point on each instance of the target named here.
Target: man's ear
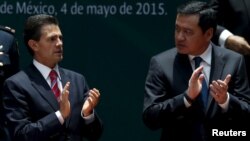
(33, 45)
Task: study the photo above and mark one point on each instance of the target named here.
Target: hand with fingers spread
(218, 89)
(91, 102)
(64, 101)
(195, 83)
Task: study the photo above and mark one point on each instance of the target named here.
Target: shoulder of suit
(7, 29)
(226, 52)
(68, 71)
(167, 53)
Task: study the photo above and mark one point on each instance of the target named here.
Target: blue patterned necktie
(204, 91)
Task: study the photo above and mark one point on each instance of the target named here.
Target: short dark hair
(33, 25)
(207, 14)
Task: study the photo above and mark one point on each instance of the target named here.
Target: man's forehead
(187, 20)
(51, 30)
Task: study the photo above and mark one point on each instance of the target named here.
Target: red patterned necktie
(54, 84)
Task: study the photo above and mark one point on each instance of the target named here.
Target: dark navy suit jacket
(166, 84)
(30, 107)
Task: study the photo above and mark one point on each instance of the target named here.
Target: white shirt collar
(206, 55)
(44, 70)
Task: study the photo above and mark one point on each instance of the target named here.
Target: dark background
(112, 52)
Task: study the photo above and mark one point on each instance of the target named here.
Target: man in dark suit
(233, 15)
(45, 105)
(193, 102)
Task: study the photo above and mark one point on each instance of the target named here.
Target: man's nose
(59, 42)
(179, 36)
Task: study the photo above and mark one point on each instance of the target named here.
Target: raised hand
(91, 102)
(218, 89)
(64, 101)
(195, 83)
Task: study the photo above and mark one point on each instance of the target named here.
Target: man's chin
(182, 51)
(59, 58)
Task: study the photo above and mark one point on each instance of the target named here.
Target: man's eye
(188, 32)
(52, 39)
(177, 30)
(60, 37)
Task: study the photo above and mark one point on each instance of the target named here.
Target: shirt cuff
(60, 117)
(187, 104)
(224, 106)
(88, 119)
(223, 37)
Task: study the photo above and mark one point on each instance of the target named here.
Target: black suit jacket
(233, 15)
(166, 84)
(30, 108)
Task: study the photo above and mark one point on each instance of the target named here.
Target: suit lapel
(181, 63)
(40, 84)
(217, 65)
